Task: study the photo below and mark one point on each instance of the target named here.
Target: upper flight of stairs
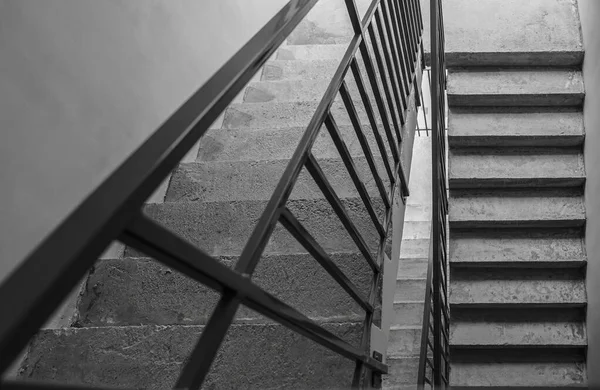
(516, 216)
(137, 320)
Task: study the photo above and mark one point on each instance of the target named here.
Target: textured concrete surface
(404, 341)
(544, 374)
(412, 267)
(517, 287)
(141, 291)
(418, 248)
(311, 52)
(410, 290)
(402, 372)
(152, 356)
(256, 180)
(515, 87)
(511, 127)
(509, 32)
(291, 91)
(538, 248)
(517, 209)
(408, 313)
(222, 228)
(512, 332)
(515, 168)
(299, 69)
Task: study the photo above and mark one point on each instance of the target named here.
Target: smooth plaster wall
(590, 14)
(84, 82)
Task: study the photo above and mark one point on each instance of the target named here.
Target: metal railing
(434, 364)
(114, 209)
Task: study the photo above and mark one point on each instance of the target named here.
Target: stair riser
(409, 290)
(404, 342)
(565, 182)
(514, 141)
(222, 228)
(516, 100)
(403, 372)
(280, 144)
(151, 357)
(311, 52)
(140, 291)
(230, 181)
(408, 314)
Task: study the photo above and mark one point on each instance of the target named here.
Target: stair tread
(518, 374)
(311, 52)
(127, 356)
(402, 371)
(133, 291)
(515, 87)
(488, 168)
(533, 208)
(517, 248)
(300, 69)
(550, 287)
(510, 127)
(404, 342)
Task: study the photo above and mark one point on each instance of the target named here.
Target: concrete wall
(84, 82)
(590, 14)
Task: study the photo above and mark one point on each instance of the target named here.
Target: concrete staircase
(516, 215)
(137, 320)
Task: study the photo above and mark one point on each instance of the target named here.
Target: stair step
(488, 168)
(515, 87)
(256, 180)
(402, 373)
(291, 91)
(417, 248)
(412, 267)
(135, 291)
(485, 288)
(151, 357)
(416, 230)
(509, 127)
(408, 313)
(519, 374)
(311, 52)
(410, 290)
(537, 248)
(299, 69)
(278, 144)
(222, 228)
(533, 208)
(511, 328)
(404, 342)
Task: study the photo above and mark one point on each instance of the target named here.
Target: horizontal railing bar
(166, 247)
(334, 132)
(108, 208)
(362, 139)
(291, 223)
(371, 116)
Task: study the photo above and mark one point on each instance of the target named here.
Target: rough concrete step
(292, 91)
(489, 168)
(537, 248)
(509, 127)
(518, 374)
(524, 209)
(409, 289)
(222, 228)
(417, 248)
(402, 374)
(416, 230)
(151, 357)
(299, 69)
(256, 180)
(136, 291)
(408, 313)
(278, 144)
(405, 341)
(515, 87)
(311, 52)
(488, 288)
(412, 267)
(511, 328)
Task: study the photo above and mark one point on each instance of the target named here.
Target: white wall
(84, 82)
(589, 11)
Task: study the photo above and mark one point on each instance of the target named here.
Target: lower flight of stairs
(137, 320)
(516, 216)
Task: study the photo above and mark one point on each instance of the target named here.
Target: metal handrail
(114, 210)
(436, 313)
